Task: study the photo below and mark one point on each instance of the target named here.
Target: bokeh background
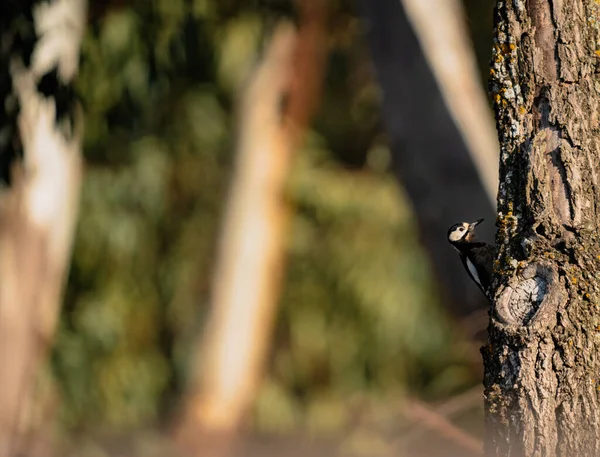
(367, 357)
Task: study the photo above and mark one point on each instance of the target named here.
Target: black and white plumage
(477, 257)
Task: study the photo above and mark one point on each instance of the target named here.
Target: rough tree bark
(542, 365)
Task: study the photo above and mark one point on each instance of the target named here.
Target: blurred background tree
(361, 319)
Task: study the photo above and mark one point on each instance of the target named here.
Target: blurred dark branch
(307, 74)
(251, 255)
(460, 403)
(436, 422)
(409, 422)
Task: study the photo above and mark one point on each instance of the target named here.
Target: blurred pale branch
(251, 255)
(440, 26)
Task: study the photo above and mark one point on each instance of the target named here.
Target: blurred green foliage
(360, 314)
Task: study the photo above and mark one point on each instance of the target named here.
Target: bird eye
(462, 229)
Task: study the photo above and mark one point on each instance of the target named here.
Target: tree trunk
(542, 365)
(38, 211)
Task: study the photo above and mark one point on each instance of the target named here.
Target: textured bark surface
(541, 364)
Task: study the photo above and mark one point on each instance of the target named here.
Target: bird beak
(477, 222)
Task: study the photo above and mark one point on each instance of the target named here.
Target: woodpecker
(477, 257)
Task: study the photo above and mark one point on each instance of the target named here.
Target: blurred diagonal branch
(39, 211)
(251, 255)
(461, 402)
(438, 423)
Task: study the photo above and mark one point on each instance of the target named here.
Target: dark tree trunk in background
(542, 366)
(430, 154)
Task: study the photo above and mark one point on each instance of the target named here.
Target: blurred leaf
(238, 45)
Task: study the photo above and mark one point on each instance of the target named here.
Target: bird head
(463, 232)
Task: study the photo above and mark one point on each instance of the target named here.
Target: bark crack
(541, 16)
(562, 192)
(594, 176)
(557, 39)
